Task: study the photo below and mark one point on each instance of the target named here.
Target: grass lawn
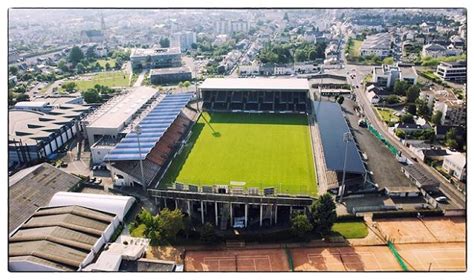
(351, 229)
(110, 79)
(355, 50)
(387, 115)
(102, 62)
(262, 150)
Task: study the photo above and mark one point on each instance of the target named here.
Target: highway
(455, 197)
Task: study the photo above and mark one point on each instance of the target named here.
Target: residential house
(455, 165)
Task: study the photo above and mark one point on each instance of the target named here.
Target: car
(441, 199)
(99, 181)
(63, 164)
(92, 179)
(239, 223)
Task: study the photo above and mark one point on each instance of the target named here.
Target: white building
(455, 165)
(433, 50)
(452, 71)
(387, 75)
(184, 40)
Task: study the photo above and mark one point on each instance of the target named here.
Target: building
(239, 26)
(456, 165)
(170, 75)
(39, 106)
(453, 110)
(163, 128)
(377, 45)
(433, 50)
(65, 238)
(92, 36)
(426, 152)
(184, 40)
(259, 94)
(420, 177)
(112, 120)
(452, 71)
(330, 84)
(155, 58)
(406, 191)
(35, 136)
(387, 75)
(372, 95)
(34, 187)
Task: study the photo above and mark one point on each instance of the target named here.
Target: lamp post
(346, 137)
(138, 131)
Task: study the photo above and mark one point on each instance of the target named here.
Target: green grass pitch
(261, 150)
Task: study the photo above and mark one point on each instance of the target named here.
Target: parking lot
(379, 159)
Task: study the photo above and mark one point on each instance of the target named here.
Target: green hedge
(349, 218)
(407, 214)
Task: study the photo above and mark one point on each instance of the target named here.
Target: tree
(406, 118)
(422, 108)
(436, 117)
(388, 60)
(451, 143)
(90, 52)
(169, 223)
(91, 96)
(323, 212)
(62, 65)
(300, 55)
(392, 99)
(412, 93)
(400, 133)
(340, 99)
(411, 109)
(69, 87)
(97, 66)
(300, 225)
(75, 55)
(22, 97)
(107, 66)
(164, 42)
(207, 233)
(400, 87)
(80, 68)
(312, 55)
(13, 70)
(186, 84)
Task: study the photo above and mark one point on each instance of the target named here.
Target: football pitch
(262, 150)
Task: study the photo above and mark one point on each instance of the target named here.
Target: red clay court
(364, 258)
(434, 257)
(266, 260)
(427, 230)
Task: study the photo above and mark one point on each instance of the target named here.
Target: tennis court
(363, 258)
(237, 260)
(427, 230)
(434, 257)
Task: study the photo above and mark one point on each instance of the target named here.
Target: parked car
(441, 199)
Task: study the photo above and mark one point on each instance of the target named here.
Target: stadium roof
(153, 126)
(332, 126)
(120, 109)
(255, 84)
(34, 187)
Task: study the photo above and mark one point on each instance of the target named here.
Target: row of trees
(96, 94)
(289, 53)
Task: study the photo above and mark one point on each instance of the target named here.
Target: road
(456, 198)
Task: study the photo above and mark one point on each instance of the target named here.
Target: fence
(374, 131)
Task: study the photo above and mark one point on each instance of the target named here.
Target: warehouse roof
(332, 127)
(116, 204)
(255, 84)
(58, 237)
(34, 187)
(423, 178)
(118, 110)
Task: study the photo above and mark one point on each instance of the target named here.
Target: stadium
(241, 153)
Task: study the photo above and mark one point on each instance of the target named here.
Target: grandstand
(255, 94)
(163, 128)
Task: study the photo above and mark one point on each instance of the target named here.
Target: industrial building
(68, 234)
(170, 75)
(155, 58)
(34, 187)
(377, 45)
(113, 119)
(34, 136)
(255, 94)
(138, 159)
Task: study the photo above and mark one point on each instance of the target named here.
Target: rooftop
(120, 109)
(58, 237)
(34, 187)
(255, 84)
(423, 178)
(377, 41)
(170, 70)
(154, 52)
